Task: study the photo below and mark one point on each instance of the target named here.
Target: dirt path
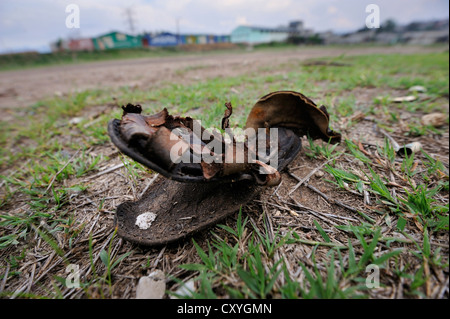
(24, 87)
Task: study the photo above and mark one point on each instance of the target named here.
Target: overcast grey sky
(33, 24)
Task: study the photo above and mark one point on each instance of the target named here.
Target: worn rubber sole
(183, 209)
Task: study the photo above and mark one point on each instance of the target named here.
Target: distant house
(188, 39)
(329, 37)
(163, 39)
(426, 37)
(221, 38)
(59, 45)
(387, 38)
(81, 45)
(417, 33)
(359, 37)
(166, 39)
(256, 35)
(203, 38)
(116, 40)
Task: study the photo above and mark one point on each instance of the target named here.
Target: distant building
(296, 29)
(358, 37)
(188, 39)
(81, 45)
(222, 38)
(328, 37)
(59, 46)
(426, 37)
(116, 40)
(416, 33)
(162, 39)
(257, 35)
(167, 39)
(203, 38)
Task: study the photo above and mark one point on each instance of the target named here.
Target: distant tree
(59, 44)
(315, 39)
(413, 26)
(297, 40)
(388, 26)
(363, 29)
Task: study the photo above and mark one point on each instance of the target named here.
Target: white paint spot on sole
(145, 220)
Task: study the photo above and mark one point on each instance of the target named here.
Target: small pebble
(152, 286)
(319, 174)
(434, 119)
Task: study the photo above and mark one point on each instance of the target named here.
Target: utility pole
(130, 19)
(178, 29)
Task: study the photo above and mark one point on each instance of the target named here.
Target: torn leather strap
(176, 148)
(194, 193)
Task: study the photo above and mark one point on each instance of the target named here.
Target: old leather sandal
(194, 194)
(176, 147)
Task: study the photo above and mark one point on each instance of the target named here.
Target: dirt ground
(25, 87)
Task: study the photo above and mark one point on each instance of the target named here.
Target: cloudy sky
(33, 24)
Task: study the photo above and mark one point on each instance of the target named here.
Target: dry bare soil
(314, 234)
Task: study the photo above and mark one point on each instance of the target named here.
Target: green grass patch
(408, 195)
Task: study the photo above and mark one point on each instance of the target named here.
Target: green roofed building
(256, 35)
(116, 40)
